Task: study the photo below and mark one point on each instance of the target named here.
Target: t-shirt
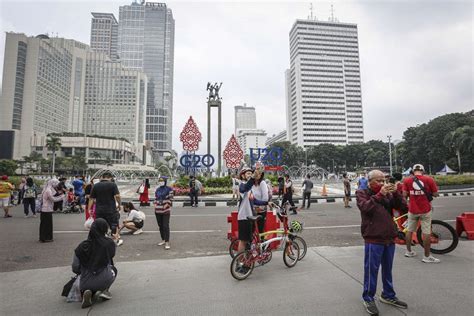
(78, 184)
(419, 203)
(5, 189)
(347, 186)
(363, 183)
(104, 194)
(308, 185)
(134, 216)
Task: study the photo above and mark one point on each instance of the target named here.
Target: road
(195, 232)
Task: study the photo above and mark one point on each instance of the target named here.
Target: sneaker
(161, 243)
(167, 246)
(26, 216)
(106, 295)
(410, 254)
(371, 308)
(87, 299)
(430, 259)
(119, 242)
(394, 301)
(34, 215)
(138, 232)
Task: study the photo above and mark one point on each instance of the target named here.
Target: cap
(418, 167)
(4, 178)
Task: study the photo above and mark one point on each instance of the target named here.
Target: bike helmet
(296, 227)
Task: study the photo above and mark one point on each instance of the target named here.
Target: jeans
(163, 221)
(29, 203)
(376, 255)
(307, 195)
(289, 198)
(194, 197)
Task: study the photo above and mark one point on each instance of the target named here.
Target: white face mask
(161, 183)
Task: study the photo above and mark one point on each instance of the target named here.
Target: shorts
(111, 218)
(138, 224)
(245, 230)
(425, 220)
(5, 202)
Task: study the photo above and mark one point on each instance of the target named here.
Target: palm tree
(461, 140)
(96, 156)
(54, 144)
(36, 157)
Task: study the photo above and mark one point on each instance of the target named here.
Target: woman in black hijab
(93, 261)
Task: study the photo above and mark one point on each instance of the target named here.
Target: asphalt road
(195, 232)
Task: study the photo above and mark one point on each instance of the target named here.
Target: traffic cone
(324, 192)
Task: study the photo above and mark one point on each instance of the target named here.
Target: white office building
(245, 117)
(280, 137)
(104, 34)
(251, 138)
(115, 99)
(323, 86)
(42, 90)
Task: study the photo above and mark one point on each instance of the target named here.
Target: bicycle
(444, 238)
(260, 252)
(293, 229)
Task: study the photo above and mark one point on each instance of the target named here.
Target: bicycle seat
(254, 218)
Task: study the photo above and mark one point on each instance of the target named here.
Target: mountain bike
(293, 232)
(443, 236)
(260, 252)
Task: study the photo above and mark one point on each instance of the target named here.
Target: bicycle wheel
(233, 248)
(291, 254)
(443, 237)
(241, 266)
(302, 245)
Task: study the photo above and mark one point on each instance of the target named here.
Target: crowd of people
(377, 197)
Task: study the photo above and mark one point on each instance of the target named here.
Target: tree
(79, 163)
(96, 157)
(8, 167)
(461, 140)
(54, 144)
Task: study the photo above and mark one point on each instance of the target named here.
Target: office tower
(323, 90)
(280, 137)
(146, 43)
(245, 117)
(115, 99)
(251, 138)
(42, 90)
(104, 34)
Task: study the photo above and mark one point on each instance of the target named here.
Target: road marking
(329, 227)
(146, 231)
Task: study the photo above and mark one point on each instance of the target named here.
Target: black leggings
(163, 221)
(29, 203)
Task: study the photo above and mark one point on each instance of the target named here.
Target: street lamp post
(390, 152)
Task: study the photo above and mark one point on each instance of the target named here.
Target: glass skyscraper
(146, 43)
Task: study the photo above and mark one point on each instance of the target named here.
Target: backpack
(30, 192)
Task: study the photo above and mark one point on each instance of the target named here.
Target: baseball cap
(418, 167)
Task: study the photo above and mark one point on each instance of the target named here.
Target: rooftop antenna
(332, 18)
(310, 16)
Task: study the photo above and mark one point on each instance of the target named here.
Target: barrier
(465, 223)
(271, 223)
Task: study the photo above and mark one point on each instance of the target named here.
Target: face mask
(161, 184)
(376, 187)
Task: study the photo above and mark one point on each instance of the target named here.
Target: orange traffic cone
(324, 192)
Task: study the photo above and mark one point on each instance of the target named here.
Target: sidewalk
(326, 282)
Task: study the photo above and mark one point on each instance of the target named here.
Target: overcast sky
(416, 56)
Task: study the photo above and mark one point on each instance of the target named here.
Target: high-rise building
(104, 34)
(280, 137)
(115, 99)
(42, 90)
(245, 117)
(251, 138)
(323, 86)
(146, 43)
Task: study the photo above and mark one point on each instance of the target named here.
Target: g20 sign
(197, 161)
(268, 156)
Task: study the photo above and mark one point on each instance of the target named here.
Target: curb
(315, 200)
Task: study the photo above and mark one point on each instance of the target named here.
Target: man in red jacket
(378, 230)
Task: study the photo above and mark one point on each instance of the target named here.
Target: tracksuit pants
(377, 255)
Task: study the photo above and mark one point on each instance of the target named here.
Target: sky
(416, 56)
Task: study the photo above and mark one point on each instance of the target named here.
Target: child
(135, 220)
(70, 196)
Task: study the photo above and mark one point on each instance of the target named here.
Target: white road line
(146, 231)
(329, 227)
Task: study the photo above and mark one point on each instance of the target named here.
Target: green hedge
(454, 179)
(15, 180)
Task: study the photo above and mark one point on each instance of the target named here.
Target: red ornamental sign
(190, 136)
(233, 154)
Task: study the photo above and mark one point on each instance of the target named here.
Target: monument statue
(213, 91)
(214, 100)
